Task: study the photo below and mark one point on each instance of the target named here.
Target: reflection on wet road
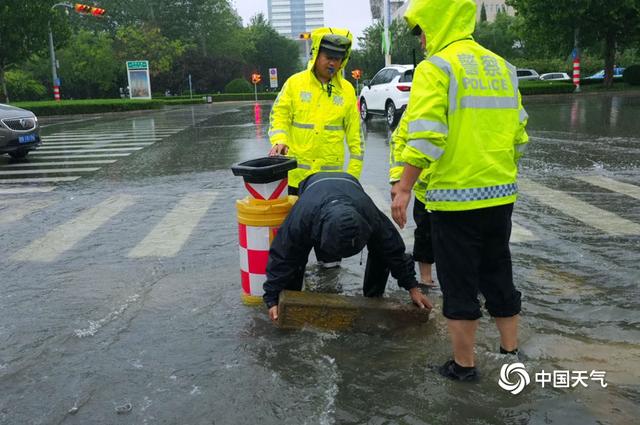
(120, 282)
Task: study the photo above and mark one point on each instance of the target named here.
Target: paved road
(120, 282)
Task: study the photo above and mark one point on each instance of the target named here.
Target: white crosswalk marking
(45, 155)
(613, 185)
(168, 237)
(39, 180)
(20, 190)
(19, 209)
(66, 236)
(92, 145)
(90, 136)
(521, 234)
(580, 210)
(62, 163)
(385, 206)
(38, 152)
(49, 171)
(95, 142)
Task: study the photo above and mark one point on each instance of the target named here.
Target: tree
(614, 24)
(87, 65)
(500, 36)
(23, 32)
(483, 13)
(271, 50)
(146, 42)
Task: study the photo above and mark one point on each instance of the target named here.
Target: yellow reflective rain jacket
(396, 165)
(465, 113)
(313, 124)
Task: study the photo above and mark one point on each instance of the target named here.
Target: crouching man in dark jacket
(336, 216)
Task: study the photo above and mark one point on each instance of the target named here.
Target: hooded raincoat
(465, 113)
(314, 122)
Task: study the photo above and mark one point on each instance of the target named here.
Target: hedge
(96, 106)
(528, 88)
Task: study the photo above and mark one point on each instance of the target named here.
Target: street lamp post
(52, 52)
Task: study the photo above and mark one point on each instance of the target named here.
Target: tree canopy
(612, 24)
(201, 38)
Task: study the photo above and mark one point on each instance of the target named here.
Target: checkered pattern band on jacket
(473, 194)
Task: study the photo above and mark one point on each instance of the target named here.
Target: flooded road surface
(120, 294)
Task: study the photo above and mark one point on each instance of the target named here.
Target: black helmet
(344, 231)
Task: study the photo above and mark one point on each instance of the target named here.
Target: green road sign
(137, 64)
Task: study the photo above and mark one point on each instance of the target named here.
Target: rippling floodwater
(94, 330)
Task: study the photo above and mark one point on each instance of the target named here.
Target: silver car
(19, 131)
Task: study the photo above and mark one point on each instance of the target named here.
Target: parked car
(617, 73)
(527, 74)
(555, 76)
(19, 131)
(387, 94)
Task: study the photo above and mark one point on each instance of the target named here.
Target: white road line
(97, 141)
(170, 234)
(92, 145)
(24, 208)
(39, 180)
(613, 185)
(26, 189)
(385, 206)
(110, 135)
(110, 155)
(580, 210)
(65, 236)
(62, 164)
(521, 234)
(49, 171)
(85, 150)
(117, 133)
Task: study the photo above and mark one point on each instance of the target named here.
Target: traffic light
(256, 78)
(85, 9)
(356, 74)
(305, 35)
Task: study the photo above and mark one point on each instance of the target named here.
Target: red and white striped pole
(56, 93)
(576, 72)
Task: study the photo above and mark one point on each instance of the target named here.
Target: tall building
(293, 17)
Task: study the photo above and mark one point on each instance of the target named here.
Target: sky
(354, 15)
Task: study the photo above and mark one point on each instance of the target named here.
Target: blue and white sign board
(273, 78)
(139, 79)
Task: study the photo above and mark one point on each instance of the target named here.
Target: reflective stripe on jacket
(313, 124)
(465, 113)
(396, 166)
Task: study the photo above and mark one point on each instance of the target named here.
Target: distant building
(377, 12)
(293, 17)
(493, 7)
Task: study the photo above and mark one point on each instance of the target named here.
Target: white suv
(387, 94)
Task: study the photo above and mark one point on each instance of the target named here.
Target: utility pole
(386, 36)
(79, 8)
(52, 52)
(190, 88)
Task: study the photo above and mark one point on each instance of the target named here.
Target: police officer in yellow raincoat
(316, 110)
(466, 122)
